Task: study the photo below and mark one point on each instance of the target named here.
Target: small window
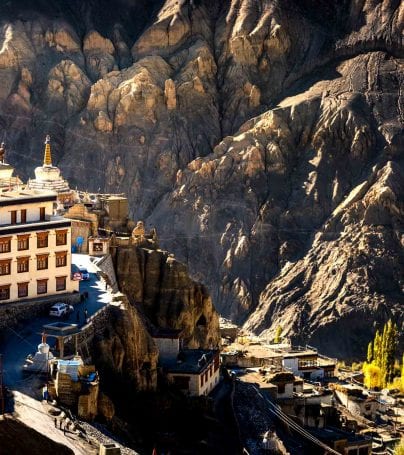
(5, 267)
(61, 238)
(5, 292)
(42, 213)
(42, 286)
(61, 283)
(281, 388)
(22, 265)
(23, 216)
(97, 247)
(61, 259)
(5, 245)
(202, 377)
(42, 240)
(22, 290)
(42, 262)
(216, 362)
(23, 242)
(13, 215)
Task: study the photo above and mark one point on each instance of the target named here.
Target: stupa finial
(47, 159)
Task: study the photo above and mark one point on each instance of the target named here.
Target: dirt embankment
(19, 439)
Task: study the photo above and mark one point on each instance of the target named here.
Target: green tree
(278, 334)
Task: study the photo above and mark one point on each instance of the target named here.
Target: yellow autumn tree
(278, 334)
(399, 450)
(373, 375)
(402, 374)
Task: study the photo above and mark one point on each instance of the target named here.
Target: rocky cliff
(125, 351)
(160, 287)
(263, 139)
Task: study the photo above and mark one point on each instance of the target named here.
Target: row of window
(42, 241)
(41, 288)
(307, 363)
(205, 376)
(42, 263)
(23, 215)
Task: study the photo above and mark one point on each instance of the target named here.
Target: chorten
(48, 177)
(7, 180)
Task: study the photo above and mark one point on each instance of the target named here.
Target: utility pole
(1, 386)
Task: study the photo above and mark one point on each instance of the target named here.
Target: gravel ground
(100, 434)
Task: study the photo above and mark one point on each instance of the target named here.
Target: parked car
(76, 274)
(60, 309)
(84, 273)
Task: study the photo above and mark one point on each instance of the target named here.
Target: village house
(195, 372)
(307, 363)
(344, 442)
(357, 401)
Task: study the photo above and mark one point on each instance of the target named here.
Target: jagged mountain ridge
(148, 97)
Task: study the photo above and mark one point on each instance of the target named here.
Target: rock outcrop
(125, 351)
(241, 129)
(159, 285)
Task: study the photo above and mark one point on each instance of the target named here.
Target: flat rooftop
(52, 222)
(227, 324)
(25, 195)
(61, 329)
(166, 333)
(191, 361)
(335, 434)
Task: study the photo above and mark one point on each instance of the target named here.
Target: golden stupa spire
(47, 159)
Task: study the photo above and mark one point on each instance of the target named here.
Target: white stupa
(47, 176)
(7, 180)
(40, 361)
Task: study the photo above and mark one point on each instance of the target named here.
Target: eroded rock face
(160, 285)
(299, 215)
(238, 129)
(126, 352)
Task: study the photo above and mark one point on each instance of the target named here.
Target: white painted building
(168, 344)
(35, 246)
(196, 371)
(308, 363)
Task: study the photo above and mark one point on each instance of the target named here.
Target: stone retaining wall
(106, 265)
(96, 325)
(13, 313)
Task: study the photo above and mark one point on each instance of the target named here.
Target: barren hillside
(263, 138)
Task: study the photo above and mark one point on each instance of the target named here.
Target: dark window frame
(63, 288)
(26, 287)
(40, 283)
(7, 266)
(42, 262)
(5, 292)
(23, 261)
